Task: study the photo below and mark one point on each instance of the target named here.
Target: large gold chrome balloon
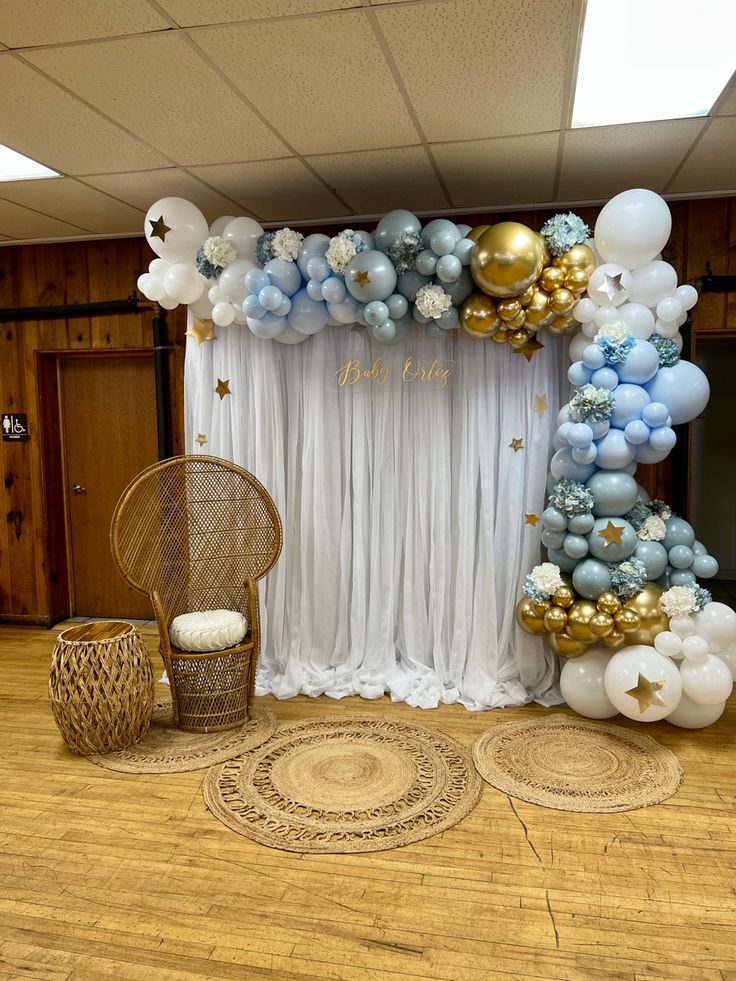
(475, 233)
(601, 624)
(507, 259)
(578, 619)
(653, 620)
(578, 257)
(478, 315)
(566, 646)
(528, 618)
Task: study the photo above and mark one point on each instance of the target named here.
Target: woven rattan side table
(101, 686)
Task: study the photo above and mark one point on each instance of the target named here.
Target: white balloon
(184, 283)
(577, 346)
(707, 681)
(167, 302)
(159, 267)
(175, 229)
(603, 288)
(232, 280)
(652, 282)
(669, 309)
(687, 295)
(219, 225)
(215, 295)
(679, 341)
(695, 648)
(638, 319)
(590, 329)
(728, 656)
(633, 227)
(691, 715)
(717, 623)
(581, 684)
(202, 307)
(655, 677)
(155, 288)
(223, 314)
(665, 329)
(669, 644)
(606, 315)
(682, 626)
(244, 234)
(584, 310)
(143, 280)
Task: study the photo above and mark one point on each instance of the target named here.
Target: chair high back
(191, 530)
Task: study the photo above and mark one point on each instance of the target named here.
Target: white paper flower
(546, 578)
(340, 251)
(432, 301)
(286, 244)
(616, 332)
(219, 251)
(679, 601)
(652, 530)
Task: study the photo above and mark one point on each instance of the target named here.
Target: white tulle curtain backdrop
(403, 505)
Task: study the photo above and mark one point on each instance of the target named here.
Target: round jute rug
(575, 764)
(338, 785)
(166, 749)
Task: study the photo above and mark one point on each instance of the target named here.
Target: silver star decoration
(611, 285)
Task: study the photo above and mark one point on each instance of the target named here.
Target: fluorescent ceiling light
(653, 59)
(15, 167)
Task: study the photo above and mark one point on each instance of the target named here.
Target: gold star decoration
(362, 278)
(530, 348)
(159, 228)
(531, 519)
(201, 331)
(223, 388)
(517, 443)
(611, 285)
(540, 404)
(611, 534)
(200, 438)
(647, 692)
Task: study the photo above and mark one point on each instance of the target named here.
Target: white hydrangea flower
(679, 601)
(652, 530)
(546, 578)
(340, 251)
(219, 251)
(616, 332)
(286, 244)
(432, 301)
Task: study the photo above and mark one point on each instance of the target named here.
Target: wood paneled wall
(703, 231)
(46, 275)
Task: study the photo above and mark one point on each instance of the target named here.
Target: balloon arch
(618, 598)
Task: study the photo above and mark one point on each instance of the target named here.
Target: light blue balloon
(314, 290)
(654, 557)
(359, 316)
(333, 290)
(552, 539)
(285, 275)
(562, 559)
(664, 579)
(554, 519)
(563, 431)
(678, 532)
(578, 374)
(251, 306)
(366, 238)
(604, 378)
(614, 492)
(563, 415)
(268, 327)
(402, 329)
(346, 311)
(591, 578)
(449, 319)
(698, 548)
(613, 451)
(464, 229)
(593, 357)
(433, 332)
(575, 546)
(460, 290)
(636, 432)
(393, 225)
(640, 365)
(256, 279)
(629, 403)
(682, 577)
(426, 263)
(585, 454)
(600, 428)
(370, 276)
(579, 434)
(306, 316)
(705, 566)
(270, 297)
(681, 557)
(398, 306)
(683, 388)
(443, 241)
(318, 269)
(376, 313)
(284, 309)
(384, 332)
(655, 414)
(615, 551)
(663, 438)
(464, 249)
(645, 454)
(449, 269)
(563, 465)
(315, 244)
(581, 524)
(439, 225)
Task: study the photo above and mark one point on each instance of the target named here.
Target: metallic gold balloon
(551, 278)
(507, 259)
(578, 618)
(541, 606)
(555, 619)
(478, 315)
(518, 321)
(653, 620)
(519, 337)
(562, 325)
(561, 301)
(627, 620)
(566, 646)
(564, 596)
(578, 257)
(608, 603)
(527, 617)
(576, 280)
(601, 624)
(614, 640)
(501, 336)
(526, 297)
(475, 233)
(508, 309)
(537, 310)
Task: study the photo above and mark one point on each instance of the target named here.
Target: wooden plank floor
(116, 875)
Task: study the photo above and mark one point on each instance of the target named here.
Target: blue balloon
(681, 557)
(426, 263)
(270, 297)
(655, 414)
(613, 451)
(585, 454)
(256, 279)
(423, 319)
(449, 269)
(370, 276)
(433, 332)
(629, 403)
(267, 327)
(683, 388)
(393, 225)
(554, 519)
(402, 328)
(640, 365)
(575, 546)
(449, 319)
(593, 357)
(306, 315)
(600, 428)
(682, 577)
(604, 378)
(563, 465)
(562, 559)
(614, 492)
(662, 439)
(464, 249)
(333, 290)
(604, 542)
(285, 275)
(705, 566)
(443, 241)
(654, 557)
(636, 432)
(698, 548)
(581, 524)
(460, 290)
(398, 306)
(252, 308)
(440, 225)
(579, 434)
(591, 578)
(365, 237)
(645, 454)
(564, 429)
(384, 332)
(314, 290)
(344, 312)
(284, 309)
(376, 313)
(578, 374)
(678, 532)
(552, 539)
(317, 268)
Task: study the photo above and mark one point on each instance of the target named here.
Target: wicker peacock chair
(197, 533)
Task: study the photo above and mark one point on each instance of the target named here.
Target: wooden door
(108, 421)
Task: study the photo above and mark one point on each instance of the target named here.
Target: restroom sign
(14, 426)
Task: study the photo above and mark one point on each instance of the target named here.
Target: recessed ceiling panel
(55, 21)
(710, 167)
(143, 188)
(72, 202)
(18, 222)
(188, 13)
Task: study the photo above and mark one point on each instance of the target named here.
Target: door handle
(78, 489)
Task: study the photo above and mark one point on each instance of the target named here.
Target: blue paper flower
(627, 578)
(571, 497)
(592, 404)
(666, 349)
(563, 231)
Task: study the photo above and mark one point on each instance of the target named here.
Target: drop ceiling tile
(710, 165)
(510, 170)
(17, 222)
(330, 91)
(141, 189)
(65, 199)
(275, 190)
(159, 88)
(378, 180)
(601, 161)
(728, 106)
(478, 69)
(187, 13)
(49, 125)
(52, 22)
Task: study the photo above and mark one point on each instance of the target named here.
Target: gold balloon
(475, 233)
(578, 618)
(578, 257)
(519, 337)
(537, 309)
(555, 619)
(608, 603)
(562, 325)
(501, 336)
(541, 606)
(561, 301)
(551, 278)
(601, 624)
(576, 280)
(614, 640)
(627, 620)
(526, 297)
(478, 315)
(507, 259)
(527, 617)
(518, 321)
(566, 646)
(508, 309)
(564, 596)
(653, 620)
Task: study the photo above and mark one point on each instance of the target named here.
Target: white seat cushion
(209, 630)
